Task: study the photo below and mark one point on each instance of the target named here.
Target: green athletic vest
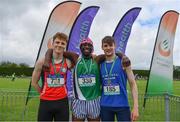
(87, 85)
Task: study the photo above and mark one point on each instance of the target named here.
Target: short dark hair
(60, 36)
(109, 40)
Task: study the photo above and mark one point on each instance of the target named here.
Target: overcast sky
(22, 24)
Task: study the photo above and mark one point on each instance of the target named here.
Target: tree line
(8, 64)
(8, 68)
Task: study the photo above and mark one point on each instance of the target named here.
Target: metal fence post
(167, 110)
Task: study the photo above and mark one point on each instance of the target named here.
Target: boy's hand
(125, 61)
(134, 114)
(45, 67)
(94, 56)
(48, 57)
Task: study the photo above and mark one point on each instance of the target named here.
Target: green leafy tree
(9, 64)
(23, 65)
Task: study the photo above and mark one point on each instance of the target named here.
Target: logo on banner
(164, 48)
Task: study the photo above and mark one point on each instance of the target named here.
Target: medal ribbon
(88, 70)
(54, 66)
(109, 73)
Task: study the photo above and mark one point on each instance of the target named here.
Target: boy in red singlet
(53, 94)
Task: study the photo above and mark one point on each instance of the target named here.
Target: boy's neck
(110, 58)
(58, 56)
(86, 57)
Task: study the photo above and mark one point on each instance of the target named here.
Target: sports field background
(13, 95)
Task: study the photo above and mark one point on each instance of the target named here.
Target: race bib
(87, 80)
(111, 90)
(55, 81)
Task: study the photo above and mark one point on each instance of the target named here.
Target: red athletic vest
(55, 93)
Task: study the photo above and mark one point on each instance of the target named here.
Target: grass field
(22, 84)
(12, 102)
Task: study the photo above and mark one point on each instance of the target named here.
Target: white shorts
(82, 109)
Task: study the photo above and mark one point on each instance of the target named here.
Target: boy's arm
(69, 55)
(73, 57)
(134, 92)
(125, 60)
(36, 75)
(100, 58)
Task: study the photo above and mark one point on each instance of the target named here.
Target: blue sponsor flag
(81, 28)
(123, 29)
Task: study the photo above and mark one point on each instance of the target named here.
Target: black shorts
(122, 113)
(57, 110)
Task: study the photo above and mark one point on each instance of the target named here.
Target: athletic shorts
(57, 110)
(109, 113)
(82, 109)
